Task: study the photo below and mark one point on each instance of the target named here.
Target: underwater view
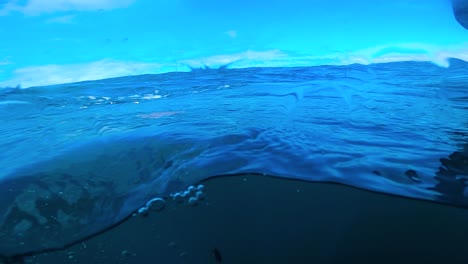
(80, 158)
(245, 148)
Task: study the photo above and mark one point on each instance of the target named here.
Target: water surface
(78, 158)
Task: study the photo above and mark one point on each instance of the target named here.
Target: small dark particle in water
(413, 175)
(217, 255)
(376, 172)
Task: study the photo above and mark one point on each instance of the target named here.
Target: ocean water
(79, 158)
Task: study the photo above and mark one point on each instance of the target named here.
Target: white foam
(151, 96)
(59, 74)
(10, 102)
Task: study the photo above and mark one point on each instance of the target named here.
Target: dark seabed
(261, 219)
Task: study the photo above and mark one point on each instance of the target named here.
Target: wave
(108, 147)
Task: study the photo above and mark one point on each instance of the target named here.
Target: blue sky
(57, 41)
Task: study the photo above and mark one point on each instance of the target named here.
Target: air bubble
(200, 195)
(143, 211)
(156, 204)
(178, 197)
(193, 201)
(191, 189)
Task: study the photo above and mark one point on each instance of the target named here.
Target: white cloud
(58, 74)
(36, 7)
(231, 33)
(68, 19)
(3, 62)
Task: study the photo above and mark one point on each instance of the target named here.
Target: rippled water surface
(78, 158)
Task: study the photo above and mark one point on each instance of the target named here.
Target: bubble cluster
(155, 205)
(192, 196)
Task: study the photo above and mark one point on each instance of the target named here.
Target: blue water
(77, 158)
